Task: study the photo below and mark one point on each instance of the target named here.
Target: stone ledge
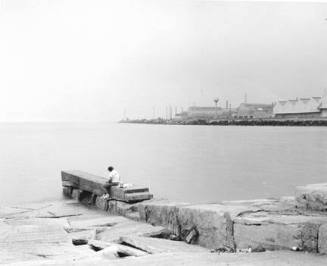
(271, 224)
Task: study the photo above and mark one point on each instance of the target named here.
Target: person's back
(114, 176)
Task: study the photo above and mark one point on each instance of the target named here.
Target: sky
(101, 60)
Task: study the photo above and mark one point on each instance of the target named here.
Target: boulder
(101, 203)
(274, 231)
(161, 212)
(120, 208)
(98, 245)
(212, 222)
(209, 225)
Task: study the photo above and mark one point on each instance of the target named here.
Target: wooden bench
(75, 179)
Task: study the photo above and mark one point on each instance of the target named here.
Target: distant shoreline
(232, 122)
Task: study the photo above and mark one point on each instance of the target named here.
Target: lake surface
(184, 163)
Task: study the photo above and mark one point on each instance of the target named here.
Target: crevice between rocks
(133, 246)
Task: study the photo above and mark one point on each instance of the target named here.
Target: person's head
(110, 168)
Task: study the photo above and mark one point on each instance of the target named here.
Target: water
(184, 163)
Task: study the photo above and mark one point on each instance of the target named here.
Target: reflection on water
(185, 163)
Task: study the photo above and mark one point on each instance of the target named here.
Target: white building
(314, 107)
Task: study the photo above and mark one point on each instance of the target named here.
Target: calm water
(185, 163)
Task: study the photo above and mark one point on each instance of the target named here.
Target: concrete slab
(94, 184)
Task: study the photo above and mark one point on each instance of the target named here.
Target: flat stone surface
(156, 245)
(127, 228)
(277, 205)
(40, 231)
(30, 239)
(277, 258)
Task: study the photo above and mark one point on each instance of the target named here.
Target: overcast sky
(79, 60)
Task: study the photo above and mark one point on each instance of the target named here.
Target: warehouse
(301, 108)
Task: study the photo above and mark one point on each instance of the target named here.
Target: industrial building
(205, 113)
(254, 110)
(301, 108)
(244, 111)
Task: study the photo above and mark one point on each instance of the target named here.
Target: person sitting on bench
(113, 180)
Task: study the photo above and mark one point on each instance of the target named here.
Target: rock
(322, 239)
(130, 194)
(75, 194)
(133, 216)
(98, 245)
(156, 245)
(67, 191)
(115, 251)
(161, 212)
(121, 208)
(191, 235)
(164, 234)
(312, 197)
(79, 241)
(214, 223)
(273, 231)
(82, 234)
(101, 203)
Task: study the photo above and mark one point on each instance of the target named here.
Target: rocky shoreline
(285, 231)
(232, 122)
(289, 223)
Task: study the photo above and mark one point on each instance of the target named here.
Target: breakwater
(131, 231)
(296, 223)
(232, 122)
